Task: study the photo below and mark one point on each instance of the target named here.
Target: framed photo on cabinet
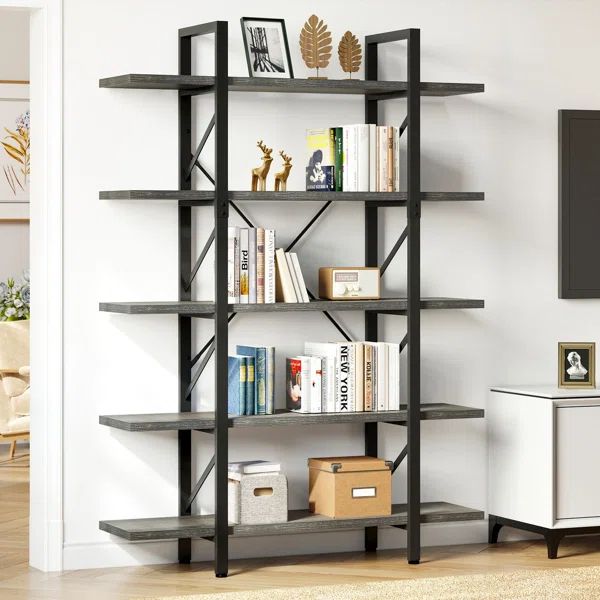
(266, 46)
(577, 365)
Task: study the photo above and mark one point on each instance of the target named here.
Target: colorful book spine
(339, 159)
(250, 384)
(244, 266)
(236, 385)
(293, 380)
(260, 374)
(252, 266)
(320, 168)
(260, 266)
(269, 266)
(233, 261)
(270, 380)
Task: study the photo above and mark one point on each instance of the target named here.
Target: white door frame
(46, 260)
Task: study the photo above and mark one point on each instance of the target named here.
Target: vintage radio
(349, 283)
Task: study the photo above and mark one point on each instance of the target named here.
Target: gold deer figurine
(259, 175)
(281, 177)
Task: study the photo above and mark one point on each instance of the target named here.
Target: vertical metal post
(371, 260)
(414, 296)
(221, 208)
(185, 323)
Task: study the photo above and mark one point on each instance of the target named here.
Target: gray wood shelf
(282, 418)
(299, 521)
(206, 309)
(203, 84)
(206, 197)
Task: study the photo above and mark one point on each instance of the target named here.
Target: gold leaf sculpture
(315, 44)
(350, 53)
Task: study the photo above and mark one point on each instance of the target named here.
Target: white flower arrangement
(14, 299)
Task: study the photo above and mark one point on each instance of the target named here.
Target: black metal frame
(412, 235)
(218, 344)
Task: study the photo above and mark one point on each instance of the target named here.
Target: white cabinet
(577, 484)
(544, 451)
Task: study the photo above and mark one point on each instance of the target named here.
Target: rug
(564, 584)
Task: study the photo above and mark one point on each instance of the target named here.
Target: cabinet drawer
(577, 457)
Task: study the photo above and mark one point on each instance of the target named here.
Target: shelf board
(206, 420)
(202, 84)
(207, 309)
(206, 197)
(299, 521)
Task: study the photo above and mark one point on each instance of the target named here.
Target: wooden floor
(19, 582)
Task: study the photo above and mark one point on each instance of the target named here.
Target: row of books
(251, 381)
(344, 377)
(258, 273)
(353, 158)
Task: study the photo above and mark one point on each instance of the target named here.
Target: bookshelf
(215, 528)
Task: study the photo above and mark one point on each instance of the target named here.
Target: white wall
(503, 142)
(14, 65)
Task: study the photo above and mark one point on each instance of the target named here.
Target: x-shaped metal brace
(200, 483)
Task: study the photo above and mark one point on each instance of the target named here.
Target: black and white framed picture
(266, 45)
(577, 364)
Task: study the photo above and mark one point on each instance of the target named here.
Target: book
(339, 159)
(251, 266)
(300, 277)
(345, 187)
(269, 380)
(382, 156)
(396, 159)
(390, 159)
(235, 470)
(344, 401)
(362, 158)
(285, 291)
(394, 376)
(368, 375)
(244, 266)
(293, 382)
(257, 354)
(382, 375)
(260, 266)
(294, 276)
(233, 261)
(236, 385)
(372, 158)
(320, 168)
(269, 266)
(250, 385)
(359, 376)
(351, 155)
(328, 353)
(316, 383)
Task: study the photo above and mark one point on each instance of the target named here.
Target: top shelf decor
(315, 44)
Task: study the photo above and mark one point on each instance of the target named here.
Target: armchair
(14, 383)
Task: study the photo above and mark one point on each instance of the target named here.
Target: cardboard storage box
(350, 486)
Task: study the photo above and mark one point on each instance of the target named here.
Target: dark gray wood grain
(380, 89)
(299, 521)
(202, 197)
(203, 309)
(281, 418)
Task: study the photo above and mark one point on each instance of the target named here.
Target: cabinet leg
(553, 539)
(493, 529)
(370, 539)
(184, 551)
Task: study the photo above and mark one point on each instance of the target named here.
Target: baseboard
(127, 554)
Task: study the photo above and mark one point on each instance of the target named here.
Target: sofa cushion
(16, 425)
(14, 345)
